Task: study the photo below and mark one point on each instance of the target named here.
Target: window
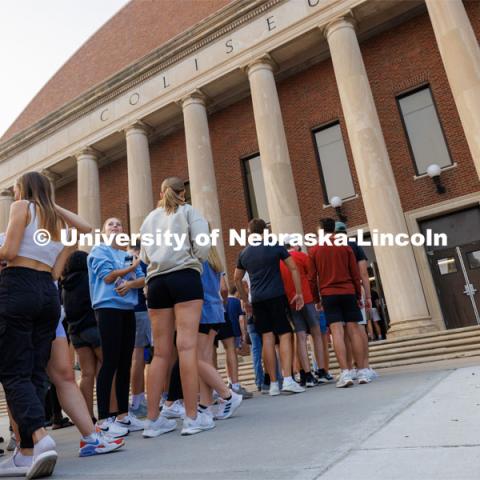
(423, 129)
(446, 265)
(257, 197)
(335, 171)
(473, 259)
(188, 195)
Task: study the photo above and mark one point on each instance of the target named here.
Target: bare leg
(187, 319)
(232, 360)
(302, 350)
(162, 331)
(269, 355)
(326, 351)
(61, 374)
(338, 335)
(88, 366)
(137, 377)
(348, 347)
(316, 336)
(354, 332)
(286, 354)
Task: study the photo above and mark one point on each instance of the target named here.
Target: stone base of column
(412, 327)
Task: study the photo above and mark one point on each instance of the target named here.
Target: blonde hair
(172, 189)
(214, 260)
(36, 188)
(107, 220)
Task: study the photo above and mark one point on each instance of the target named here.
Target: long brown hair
(173, 189)
(36, 188)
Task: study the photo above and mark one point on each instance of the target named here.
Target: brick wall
(397, 60)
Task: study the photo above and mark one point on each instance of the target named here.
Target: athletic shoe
(140, 411)
(345, 379)
(112, 428)
(291, 387)
(43, 465)
(364, 376)
(265, 389)
(354, 373)
(175, 410)
(101, 444)
(202, 423)
(323, 377)
(226, 408)
(12, 443)
(131, 423)
(310, 380)
(158, 427)
(274, 389)
(9, 469)
(373, 374)
(241, 391)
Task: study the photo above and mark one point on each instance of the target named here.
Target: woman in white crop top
(29, 313)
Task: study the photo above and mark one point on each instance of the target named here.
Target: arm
(121, 272)
(237, 278)
(298, 298)
(17, 222)
(363, 269)
(123, 289)
(73, 220)
(223, 289)
(57, 269)
(313, 279)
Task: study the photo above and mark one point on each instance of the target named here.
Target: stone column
(6, 199)
(88, 187)
(400, 278)
(460, 53)
(280, 189)
(201, 170)
(52, 177)
(140, 195)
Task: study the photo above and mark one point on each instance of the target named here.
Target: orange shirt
(306, 271)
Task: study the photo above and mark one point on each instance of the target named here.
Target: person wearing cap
(304, 320)
(362, 262)
(338, 282)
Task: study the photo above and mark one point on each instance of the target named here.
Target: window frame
(407, 93)
(315, 130)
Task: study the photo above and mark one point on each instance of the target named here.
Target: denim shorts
(143, 330)
(90, 337)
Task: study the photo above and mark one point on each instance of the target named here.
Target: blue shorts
(60, 332)
(322, 320)
(143, 330)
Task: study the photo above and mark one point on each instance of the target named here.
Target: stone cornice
(193, 39)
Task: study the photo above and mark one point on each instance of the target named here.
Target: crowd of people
(145, 324)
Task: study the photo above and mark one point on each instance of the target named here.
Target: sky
(36, 38)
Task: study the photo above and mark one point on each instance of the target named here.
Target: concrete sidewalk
(412, 425)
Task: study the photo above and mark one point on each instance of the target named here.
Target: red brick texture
(397, 60)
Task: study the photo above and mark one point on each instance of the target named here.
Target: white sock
(22, 460)
(137, 400)
(287, 379)
(90, 438)
(274, 383)
(235, 385)
(46, 444)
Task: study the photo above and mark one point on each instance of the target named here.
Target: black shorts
(165, 291)
(341, 308)
(206, 327)
(272, 315)
(226, 330)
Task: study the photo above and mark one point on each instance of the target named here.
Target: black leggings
(175, 391)
(117, 332)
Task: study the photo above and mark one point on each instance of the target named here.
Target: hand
(368, 304)
(298, 300)
(248, 308)
(360, 303)
(135, 263)
(123, 289)
(319, 307)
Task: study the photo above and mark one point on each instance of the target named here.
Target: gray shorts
(143, 333)
(88, 338)
(306, 318)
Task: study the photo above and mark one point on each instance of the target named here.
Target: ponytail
(173, 190)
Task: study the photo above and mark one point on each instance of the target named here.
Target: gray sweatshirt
(186, 223)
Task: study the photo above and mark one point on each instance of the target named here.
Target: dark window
(424, 132)
(333, 162)
(257, 197)
(188, 195)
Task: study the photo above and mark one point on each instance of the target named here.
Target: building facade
(273, 108)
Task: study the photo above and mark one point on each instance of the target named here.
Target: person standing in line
(29, 314)
(269, 305)
(338, 280)
(175, 299)
(114, 279)
(143, 339)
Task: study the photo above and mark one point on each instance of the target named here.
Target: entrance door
(457, 278)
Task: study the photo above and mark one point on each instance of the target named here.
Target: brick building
(279, 109)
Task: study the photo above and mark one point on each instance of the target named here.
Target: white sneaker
(202, 423)
(364, 376)
(345, 379)
(291, 386)
(43, 465)
(354, 373)
(112, 428)
(158, 427)
(9, 469)
(274, 389)
(373, 373)
(175, 410)
(226, 408)
(131, 423)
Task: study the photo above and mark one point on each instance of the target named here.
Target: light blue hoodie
(101, 261)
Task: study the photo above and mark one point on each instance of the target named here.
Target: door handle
(470, 290)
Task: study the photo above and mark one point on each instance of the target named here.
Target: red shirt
(305, 269)
(336, 270)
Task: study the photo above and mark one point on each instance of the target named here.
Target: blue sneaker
(140, 412)
(99, 444)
